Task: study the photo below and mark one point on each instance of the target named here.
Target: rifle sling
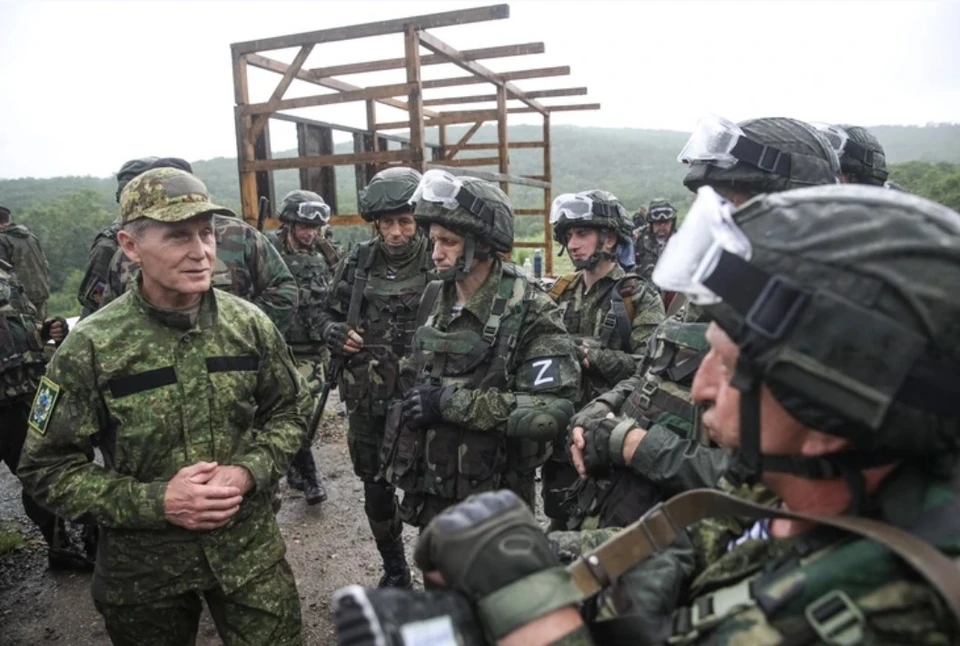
(664, 523)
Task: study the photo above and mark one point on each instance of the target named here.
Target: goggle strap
(475, 205)
(766, 158)
(855, 151)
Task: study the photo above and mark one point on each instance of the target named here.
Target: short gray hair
(138, 227)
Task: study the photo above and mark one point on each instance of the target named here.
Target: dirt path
(328, 547)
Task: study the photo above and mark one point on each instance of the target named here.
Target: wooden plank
(344, 159)
(446, 118)
(518, 75)
(241, 89)
(369, 93)
(315, 141)
(472, 161)
(248, 181)
(490, 177)
(482, 98)
(292, 118)
(528, 212)
(437, 46)
(557, 108)
(510, 144)
(547, 198)
(264, 63)
(265, 186)
(411, 46)
(379, 28)
(463, 140)
(351, 220)
(282, 86)
(503, 153)
(502, 51)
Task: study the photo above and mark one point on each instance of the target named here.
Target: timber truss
(372, 146)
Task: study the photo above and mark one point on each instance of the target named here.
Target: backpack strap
(365, 259)
(619, 317)
(427, 302)
(560, 286)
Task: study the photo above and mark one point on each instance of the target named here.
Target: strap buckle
(710, 610)
(647, 391)
(836, 619)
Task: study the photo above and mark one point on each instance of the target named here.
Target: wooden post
(502, 151)
(440, 153)
(265, 178)
(248, 181)
(547, 199)
(415, 98)
(315, 141)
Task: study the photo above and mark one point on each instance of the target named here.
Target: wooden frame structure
(371, 150)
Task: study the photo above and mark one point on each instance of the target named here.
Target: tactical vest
(617, 324)
(449, 461)
(387, 312)
(21, 353)
(312, 273)
(22, 250)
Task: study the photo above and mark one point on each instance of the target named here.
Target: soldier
(105, 246)
(497, 371)
(247, 266)
(371, 317)
(197, 414)
(20, 249)
(862, 159)
(808, 290)
(310, 258)
(609, 312)
(20, 370)
(655, 403)
(661, 222)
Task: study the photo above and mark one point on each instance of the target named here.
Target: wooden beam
(282, 86)
(510, 144)
(482, 98)
(248, 181)
(437, 46)
(379, 28)
(446, 118)
(345, 159)
(472, 161)
(369, 93)
(411, 45)
(528, 212)
(518, 75)
(491, 177)
(292, 118)
(463, 140)
(503, 153)
(502, 51)
(557, 108)
(547, 198)
(264, 63)
(351, 220)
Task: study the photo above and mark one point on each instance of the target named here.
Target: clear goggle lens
(572, 207)
(314, 211)
(713, 140)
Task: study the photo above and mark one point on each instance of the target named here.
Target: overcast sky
(88, 85)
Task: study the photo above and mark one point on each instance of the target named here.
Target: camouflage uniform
(648, 253)
(183, 387)
(21, 249)
(247, 266)
(503, 358)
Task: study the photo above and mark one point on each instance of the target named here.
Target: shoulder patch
(43, 403)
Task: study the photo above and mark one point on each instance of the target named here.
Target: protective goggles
(447, 190)
(844, 145)
(693, 252)
(314, 211)
(722, 143)
(580, 207)
(661, 214)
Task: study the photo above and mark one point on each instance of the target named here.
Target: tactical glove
(45, 328)
(603, 444)
(595, 410)
(336, 337)
(423, 405)
(490, 548)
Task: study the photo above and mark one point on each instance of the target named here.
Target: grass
(10, 541)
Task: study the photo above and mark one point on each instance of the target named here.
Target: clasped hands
(205, 495)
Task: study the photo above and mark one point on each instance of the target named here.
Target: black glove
(490, 547)
(336, 337)
(423, 405)
(596, 450)
(45, 328)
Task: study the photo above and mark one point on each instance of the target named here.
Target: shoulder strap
(430, 295)
(560, 285)
(366, 256)
(328, 252)
(664, 523)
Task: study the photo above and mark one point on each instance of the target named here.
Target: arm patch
(43, 403)
(543, 374)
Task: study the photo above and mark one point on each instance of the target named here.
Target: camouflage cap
(166, 195)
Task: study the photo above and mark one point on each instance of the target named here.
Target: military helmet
(759, 155)
(841, 300)
(135, 167)
(661, 210)
(304, 207)
(594, 209)
(862, 157)
(389, 192)
(467, 206)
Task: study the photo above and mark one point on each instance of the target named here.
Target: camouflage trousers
(313, 368)
(419, 509)
(364, 438)
(264, 611)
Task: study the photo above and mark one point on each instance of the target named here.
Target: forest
(637, 165)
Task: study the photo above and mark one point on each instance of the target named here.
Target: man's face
(398, 229)
(447, 247)
(305, 234)
(781, 433)
(582, 243)
(176, 259)
(662, 230)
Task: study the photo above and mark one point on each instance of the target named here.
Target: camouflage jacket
(21, 349)
(765, 591)
(648, 253)
(94, 283)
(529, 361)
(312, 270)
(172, 394)
(613, 319)
(388, 296)
(247, 266)
(21, 249)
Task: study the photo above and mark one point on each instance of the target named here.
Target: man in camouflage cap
(798, 384)
(660, 223)
(311, 259)
(197, 413)
(104, 247)
(20, 249)
(247, 266)
(497, 370)
(371, 316)
(609, 312)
